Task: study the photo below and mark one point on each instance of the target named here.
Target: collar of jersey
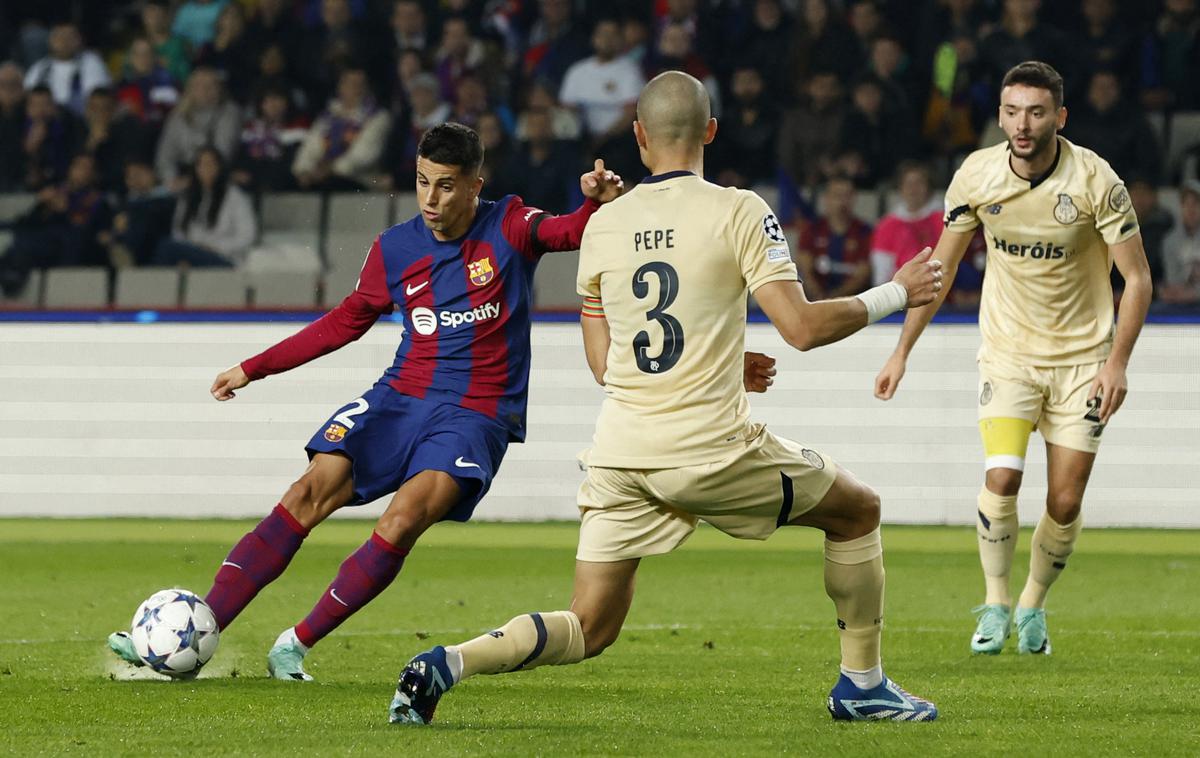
(1034, 182)
(666, 176)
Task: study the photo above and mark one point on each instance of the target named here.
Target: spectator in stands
(459, 55)
(269, 143)
(604, 89)
(471, 103)
(214, 222)
(147, 90)
(143, 217)
(425, 110)
(48, 140)
(1104, 42)
(171, 49)
(834, 251)
(810, 132)
(1115, 128)
(1181, 250)
(823, 42)
(866, 22)
(12, 127)
(554, 44)
(956, 101)
(336, 44)
(564, 121)
(764, 46)
(410, 27)
(686, 13)
(196, 21)
(1172, 58)
(230, 52)
(674, 53)
(635, 40)
(344, 145)
(1154, 222)
(543, 167)
(879, 140)
(968, 280)
(64, 228)
(497, 152)
(272, 24)
(69, 71)
(902, 99)
(1020, 37)
(744, 156)
(203, 117)
(913, 224)
(111, 137)
(273, 73)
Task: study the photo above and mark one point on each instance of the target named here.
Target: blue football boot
(887, 702)
(422, 683)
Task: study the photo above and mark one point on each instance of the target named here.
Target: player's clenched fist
(227, 381)
(922, 278)
(758, 371)
(601, 184)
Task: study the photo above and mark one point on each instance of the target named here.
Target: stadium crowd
(147, 128)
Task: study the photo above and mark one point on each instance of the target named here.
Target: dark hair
(906, 166)
(452, 144)
(195, 193)
(1039, 75)
(42, 89)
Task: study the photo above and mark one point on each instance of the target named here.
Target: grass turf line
(730, 647)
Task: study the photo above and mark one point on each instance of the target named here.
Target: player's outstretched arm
(227, 381)
(949, 251)
(533, 231)
(806, 324)
(601, 184)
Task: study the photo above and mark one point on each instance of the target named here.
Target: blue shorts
(390, 437)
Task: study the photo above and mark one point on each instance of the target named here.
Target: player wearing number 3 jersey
(665, 270)
(436, 425)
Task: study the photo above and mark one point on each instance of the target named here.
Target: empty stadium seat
(354, 220)
(14, 205)
(405, 207)
(284, 290)
(554, 282)
(147, 288)
(338, 283)
(76, 287)
(214, 288)
(290, 220)
(26, 298)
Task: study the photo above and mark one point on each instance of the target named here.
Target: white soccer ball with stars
(175, 633)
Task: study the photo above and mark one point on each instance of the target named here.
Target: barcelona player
(436, 425)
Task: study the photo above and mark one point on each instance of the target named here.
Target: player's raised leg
(854, 580)
(262, 554)
(603, 594)
(419, 503)
(1053, 542)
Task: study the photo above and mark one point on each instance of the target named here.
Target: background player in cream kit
(1056, 218)
(665, 275)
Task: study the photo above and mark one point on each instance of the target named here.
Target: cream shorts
(633, 513)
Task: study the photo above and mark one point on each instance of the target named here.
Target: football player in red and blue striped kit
(435, 427)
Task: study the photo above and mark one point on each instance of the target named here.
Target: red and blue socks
(255, 561)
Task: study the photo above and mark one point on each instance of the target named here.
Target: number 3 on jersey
(668, 290)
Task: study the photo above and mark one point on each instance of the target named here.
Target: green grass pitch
(730, 649)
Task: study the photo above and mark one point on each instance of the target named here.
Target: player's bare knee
(1005, 482)
(866, 513)
(402, 523)
(1064, 508)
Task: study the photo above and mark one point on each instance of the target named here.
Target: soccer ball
(175, 633)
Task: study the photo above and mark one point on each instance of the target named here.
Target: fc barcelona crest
(335, 433)
(481, 271)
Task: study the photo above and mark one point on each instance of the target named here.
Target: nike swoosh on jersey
(466, 464)
(411, 290)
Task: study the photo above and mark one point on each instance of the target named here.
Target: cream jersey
(1047, 299)
(671, 262)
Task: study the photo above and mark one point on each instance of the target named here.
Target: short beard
(1037, 149)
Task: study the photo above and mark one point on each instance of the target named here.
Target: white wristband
(883, 300)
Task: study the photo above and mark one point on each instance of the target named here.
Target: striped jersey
(465, 305)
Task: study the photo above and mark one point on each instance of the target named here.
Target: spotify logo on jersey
(424, 320)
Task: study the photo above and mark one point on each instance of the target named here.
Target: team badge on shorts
(1065, 212)
(985, 396)
(772, 229)
(813, 457)
(481, 271)
(335, 433)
